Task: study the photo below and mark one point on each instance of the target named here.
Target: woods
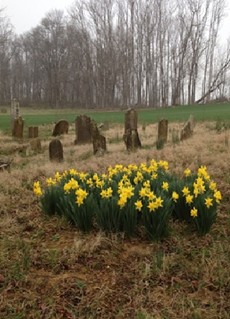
(118, 53)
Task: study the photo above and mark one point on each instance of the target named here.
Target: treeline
(118, 53)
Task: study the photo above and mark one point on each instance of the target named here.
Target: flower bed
(128, 198)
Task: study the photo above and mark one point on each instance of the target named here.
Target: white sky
(26, 14)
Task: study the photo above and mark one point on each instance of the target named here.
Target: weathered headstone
(56, 150)
(175, 136)
(33, 131)
(131, 137)
(61, 127)
(83, 130)
(162, 133)
(5, 164)
(14, 112)
(99, 141)
(187, 129)
(18, 127)
(35, 145)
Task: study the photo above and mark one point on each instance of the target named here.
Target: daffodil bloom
(106, 193)
(143, 167)
(89, 182)
(50, 181)
(125, 177)
(199, 184)
(175, 196)
(72, 184)
(152, 206)
(165, 186)
(57, 176)
(95, 177)
(217, 196)
(208, 202)
(81, 193)
(212, 186)
(187, 172)
(159, 202)
(146, 184)
(153, 165)
(151, 195)
(37, 189)
(122, 201)
(143, 192)
(72, 171)
(200, 188)
(83, 176)
(138, 204)
(79, 200)
(196, 191)
(194, 212)
(154, 176)
(164, 165)
(189, 199)
(100, 183)
(202, 172)
(185, 191)
(127, 191)
(132, 167)
(139, 176)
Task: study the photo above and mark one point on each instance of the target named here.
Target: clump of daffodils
(126, 198)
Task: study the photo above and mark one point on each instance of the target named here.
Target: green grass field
(33, 117)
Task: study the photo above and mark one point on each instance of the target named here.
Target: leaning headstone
(18, 128)
(33, 131)
(61, 127)
(83, 130)
(56, 151)
(99, 141)
(131, 137)
(187, 129)
(162, 133)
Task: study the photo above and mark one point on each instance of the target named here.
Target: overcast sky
(26, 14)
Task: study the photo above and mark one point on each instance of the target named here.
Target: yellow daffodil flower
(189, 199)
(187, 172)
(194, 212)
(165, 186)
(175, 196)
(138, 204)
(208, 202)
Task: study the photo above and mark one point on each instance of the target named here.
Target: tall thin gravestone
(16, 120)
(82, 130)
(131, 137)
(162, 133)
(14, 111)
(18, 126)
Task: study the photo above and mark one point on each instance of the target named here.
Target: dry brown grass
(50, 270)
